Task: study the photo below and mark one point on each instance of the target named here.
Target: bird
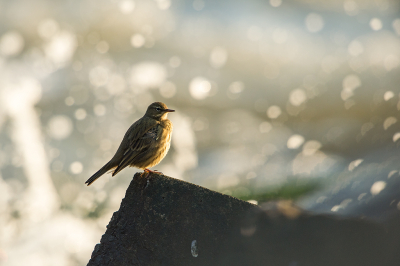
(144, 145)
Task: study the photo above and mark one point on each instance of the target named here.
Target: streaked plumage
(145, 143)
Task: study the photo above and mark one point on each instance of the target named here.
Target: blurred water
(266, 93)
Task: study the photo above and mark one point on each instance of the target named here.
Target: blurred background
(292, 99)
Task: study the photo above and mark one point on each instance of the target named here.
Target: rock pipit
(145, 143)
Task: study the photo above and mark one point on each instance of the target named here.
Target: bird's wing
(139, 138)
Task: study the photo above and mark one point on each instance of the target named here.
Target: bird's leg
(151, 171)
(146, 172)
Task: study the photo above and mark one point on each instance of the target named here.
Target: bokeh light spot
(234, 89)
(274, 111)
(391, 120)
(350, 83)
(199, 88)
(69, 101)
(355, 48)
(175, 61)
(163, 4)
(396, 136)
(126, 6)
(375, 24)
(137, 40)
(275, 3)
(392, 173)
(80, 114)
(76, 167)
(297, 97)
(61, 47)
(377, 187)
(102, 47)
(311, 147)
(99, 109)
(47, 28)
(11, 43)
(295, 141)
(314, 22)
(391, 62)
(265, 127)
(167, 89)
(98, 76)
(59, 127)
(148, 74)
(350, 7)
(388, 95)
(355, 164)
(218, 57)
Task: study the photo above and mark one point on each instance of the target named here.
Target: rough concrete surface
(160, 221)
(165, 221)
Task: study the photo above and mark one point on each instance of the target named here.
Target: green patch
(292, 191)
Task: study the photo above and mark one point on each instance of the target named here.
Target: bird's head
(158, 111)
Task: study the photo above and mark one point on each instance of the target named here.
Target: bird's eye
(158, 108)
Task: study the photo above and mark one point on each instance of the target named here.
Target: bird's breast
(162, 143)
(166, 133)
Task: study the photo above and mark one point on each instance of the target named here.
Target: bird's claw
(146, 172)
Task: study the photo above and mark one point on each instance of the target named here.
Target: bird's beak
(169, 110)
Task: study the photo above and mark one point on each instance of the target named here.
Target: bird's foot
(146, 172)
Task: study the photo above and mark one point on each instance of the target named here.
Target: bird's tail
(99, 173)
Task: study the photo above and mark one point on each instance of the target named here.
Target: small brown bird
(145, 143)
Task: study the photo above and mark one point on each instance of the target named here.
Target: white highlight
(18, 99)
(297, 97)
(59, 127)
(274, 111)
(148, 74)
(388, 95)
(389, 122)
(376, 24)
(377, 187)
(355, 164)
(126, 6)
(80, 114)
(200, 88)
(76, 167)
(61, 48)
(396, 137)
(311, 147)
(194, 249)
(295, 141)
(137, 40)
